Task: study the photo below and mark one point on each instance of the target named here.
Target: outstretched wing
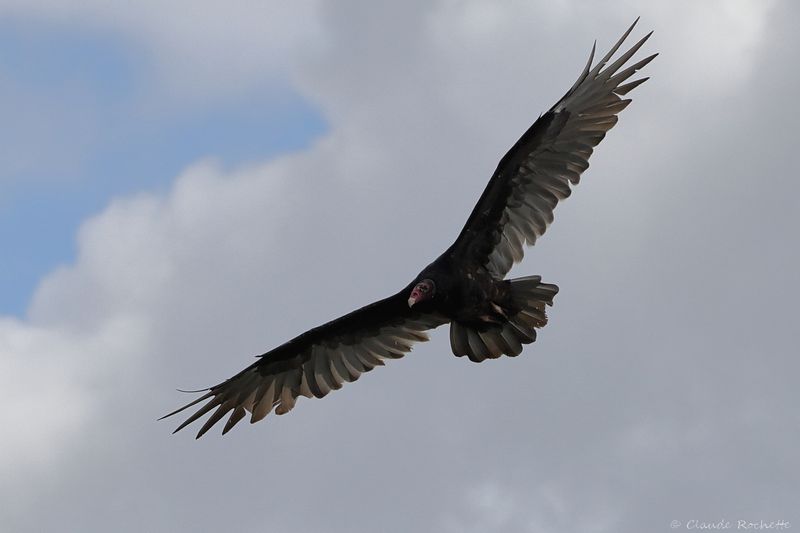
(316, 362)
(517, 205)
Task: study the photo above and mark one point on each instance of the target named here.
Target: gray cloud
(661, 390)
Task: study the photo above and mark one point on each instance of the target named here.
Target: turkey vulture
(489, 316)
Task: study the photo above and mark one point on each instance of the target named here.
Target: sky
(184, 185)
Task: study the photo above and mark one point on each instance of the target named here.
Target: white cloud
(54, 380)
(716, 43)
(37, 389)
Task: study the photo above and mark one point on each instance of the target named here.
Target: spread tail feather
(529, 296)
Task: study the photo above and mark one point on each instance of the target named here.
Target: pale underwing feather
(536, 175)
(312, 371)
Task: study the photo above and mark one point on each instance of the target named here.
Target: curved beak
(411, 301)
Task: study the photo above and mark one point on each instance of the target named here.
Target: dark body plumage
(489, 316)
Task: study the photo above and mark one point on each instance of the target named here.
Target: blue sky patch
(76, 135)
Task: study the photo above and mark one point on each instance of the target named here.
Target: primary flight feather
(489, 316)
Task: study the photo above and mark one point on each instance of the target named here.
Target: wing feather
(537, 173)
(315, 363)
(265, 400)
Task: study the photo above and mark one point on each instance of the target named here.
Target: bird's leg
(499, 310)
(495, 315)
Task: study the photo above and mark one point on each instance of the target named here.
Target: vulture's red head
(424, 290)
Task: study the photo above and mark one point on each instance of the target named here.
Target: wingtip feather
(188, 405)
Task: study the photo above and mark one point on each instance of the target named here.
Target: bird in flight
(489, 316)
